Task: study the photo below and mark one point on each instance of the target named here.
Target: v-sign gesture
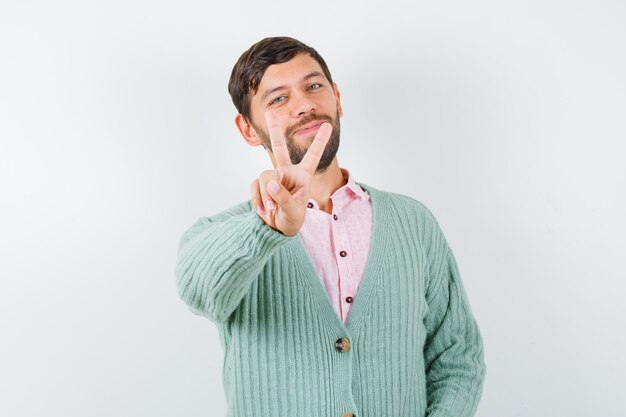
(289, 186)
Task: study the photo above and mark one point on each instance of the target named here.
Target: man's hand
(280, 196)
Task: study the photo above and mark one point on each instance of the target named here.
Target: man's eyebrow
(306, 77)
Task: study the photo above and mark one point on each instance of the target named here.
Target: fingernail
(269, 205)
(274, 186)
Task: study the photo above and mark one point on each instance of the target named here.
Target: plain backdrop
(506, 119)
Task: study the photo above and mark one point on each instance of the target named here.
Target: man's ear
(247, 131)
(338, 98)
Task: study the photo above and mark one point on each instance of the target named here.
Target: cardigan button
(349, 299)
(335, 216)
(348, 415)
(342, 345)
(310, 205)
(343, 253)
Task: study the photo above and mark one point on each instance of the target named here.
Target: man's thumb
(276, 189)
(273, 187)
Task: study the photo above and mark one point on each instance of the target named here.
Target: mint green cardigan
(410, 346)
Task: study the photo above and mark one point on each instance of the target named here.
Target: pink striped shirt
(338, 243)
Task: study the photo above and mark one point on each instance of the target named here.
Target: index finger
(277, 138)
(314, 153)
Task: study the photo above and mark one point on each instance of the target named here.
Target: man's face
(301, 98)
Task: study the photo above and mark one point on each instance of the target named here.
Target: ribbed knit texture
(415, 347)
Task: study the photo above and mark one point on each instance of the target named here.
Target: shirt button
(310, 205)
(349, 299)
(342, 345)
(335, 216)
(343, 253)
(348, 415)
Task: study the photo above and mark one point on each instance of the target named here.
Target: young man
(332, 298)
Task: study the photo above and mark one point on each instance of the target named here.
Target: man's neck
(325, 184)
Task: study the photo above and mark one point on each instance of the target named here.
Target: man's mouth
(309, 128)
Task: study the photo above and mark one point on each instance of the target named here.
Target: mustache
(322, 118)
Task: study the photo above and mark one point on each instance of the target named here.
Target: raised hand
(280, 196)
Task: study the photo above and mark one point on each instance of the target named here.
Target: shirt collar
(352, 185)
(351, 188)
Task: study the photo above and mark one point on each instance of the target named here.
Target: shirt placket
(344, 257)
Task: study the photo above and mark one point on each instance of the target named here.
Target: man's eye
(315, 86)
(277, 99)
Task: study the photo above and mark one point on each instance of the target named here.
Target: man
(332, 298)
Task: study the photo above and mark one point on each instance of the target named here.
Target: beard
(297, 151)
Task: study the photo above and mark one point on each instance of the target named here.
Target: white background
(507, 119)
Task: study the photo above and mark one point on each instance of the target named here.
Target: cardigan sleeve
(220, 256)
(453, 350)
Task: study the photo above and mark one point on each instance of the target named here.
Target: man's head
(291, 80)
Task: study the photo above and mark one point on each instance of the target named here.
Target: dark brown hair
(251, 65)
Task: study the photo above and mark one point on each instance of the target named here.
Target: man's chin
(306, 139)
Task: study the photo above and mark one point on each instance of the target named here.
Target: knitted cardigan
(410, 346)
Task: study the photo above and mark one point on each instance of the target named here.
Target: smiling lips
(309, 128)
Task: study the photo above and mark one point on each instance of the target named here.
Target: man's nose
(302, 104)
